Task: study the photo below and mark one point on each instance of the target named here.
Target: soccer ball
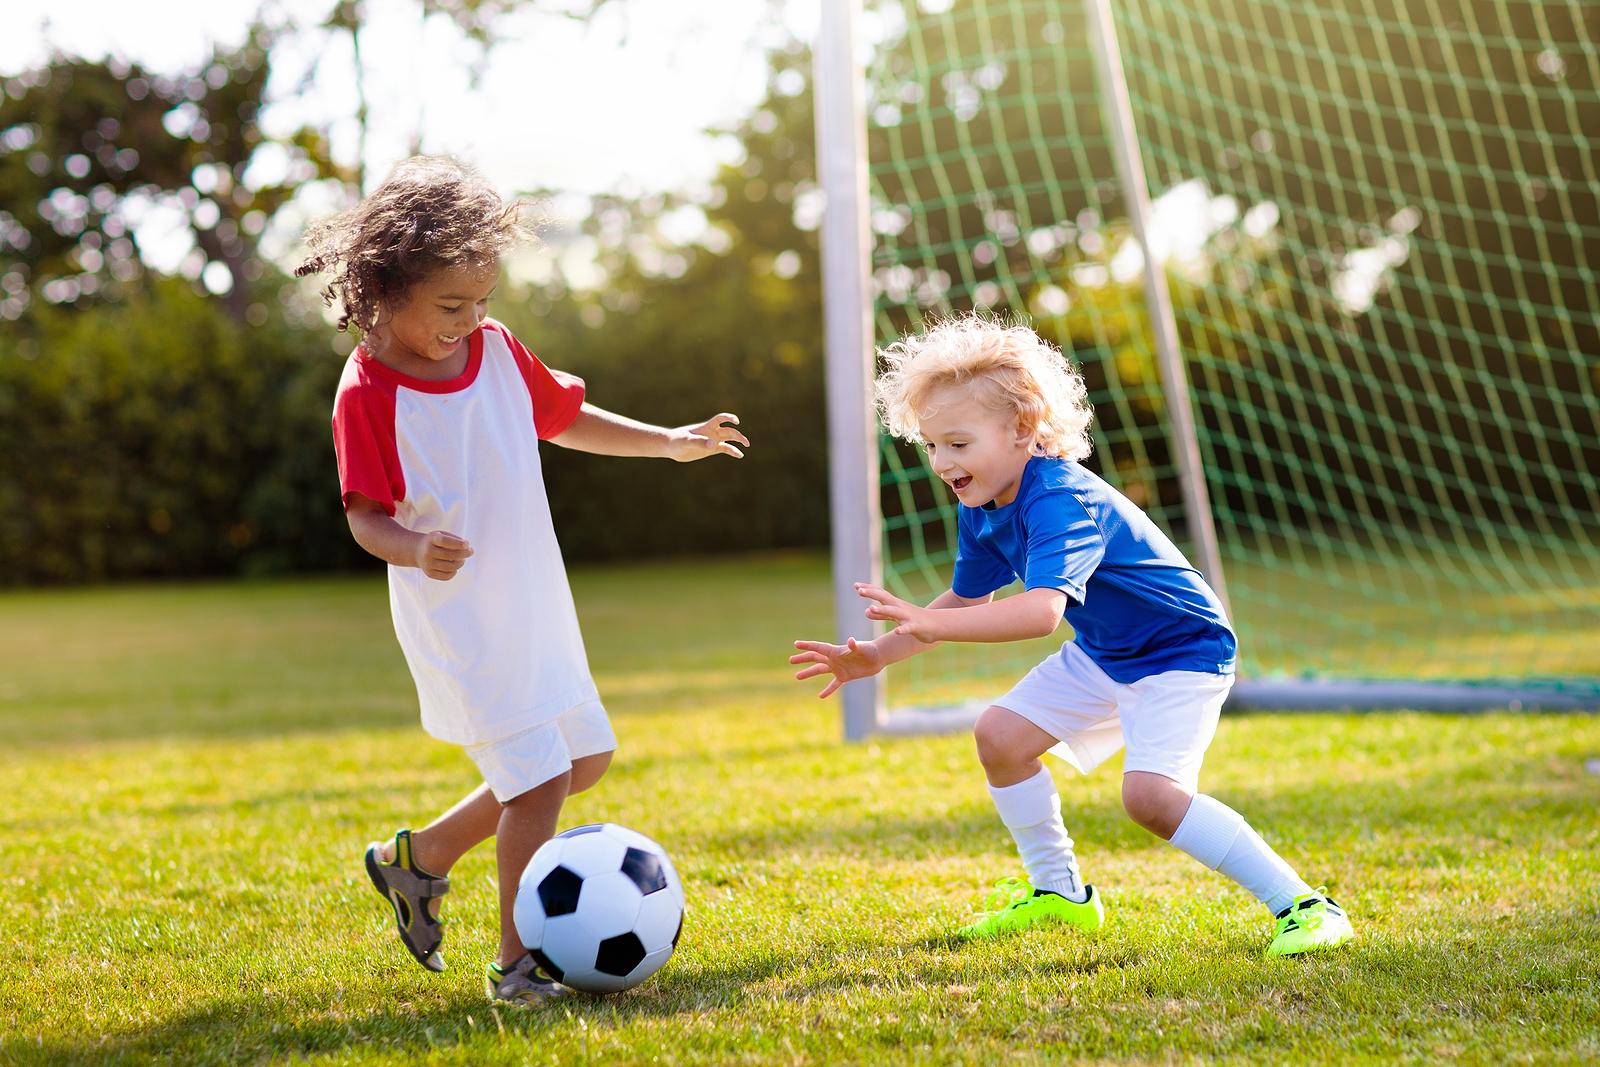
(600, 907)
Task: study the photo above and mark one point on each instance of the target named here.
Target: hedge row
(159, 438)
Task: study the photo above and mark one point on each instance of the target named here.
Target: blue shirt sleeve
(1065, 544)
(979, 570)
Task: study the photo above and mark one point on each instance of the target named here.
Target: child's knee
(998, 740)
(587, 770)
(1154, 802)
(543, 793)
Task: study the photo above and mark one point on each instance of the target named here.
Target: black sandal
(409, 888)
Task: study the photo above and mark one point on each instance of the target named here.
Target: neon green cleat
(1312, 923)
(1017, 906)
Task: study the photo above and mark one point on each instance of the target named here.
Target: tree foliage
(148, 432)
(89, 147)
(678, 332)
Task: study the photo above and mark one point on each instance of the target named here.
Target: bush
(156, 437)
(159, 438)
(689, 350)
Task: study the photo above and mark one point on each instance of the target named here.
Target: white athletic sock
(1031, 810)
(1218, 837)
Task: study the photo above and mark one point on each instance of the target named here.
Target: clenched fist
(441, 554)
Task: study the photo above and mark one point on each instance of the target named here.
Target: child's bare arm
(1034, 613)
(439, 554)
(608, 434)
(862, 659)
(898, 646)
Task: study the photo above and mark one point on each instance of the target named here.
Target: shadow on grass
(1526, 965)
(1093, 953)
(238, 1030)
(244, 1030)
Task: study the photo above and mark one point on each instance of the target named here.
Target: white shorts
(513, 765)
(1166, 720)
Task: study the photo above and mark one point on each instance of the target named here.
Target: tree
(89, 147)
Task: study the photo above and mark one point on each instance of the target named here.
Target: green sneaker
(1015, 905)
(1312, 923)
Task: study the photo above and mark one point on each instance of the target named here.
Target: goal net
(1378, 225)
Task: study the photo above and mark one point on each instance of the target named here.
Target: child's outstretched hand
(845, 662)
(708, 438)
(441, 554)
(909, 619)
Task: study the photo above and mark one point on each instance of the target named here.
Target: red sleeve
(557, 396)
(363, 439)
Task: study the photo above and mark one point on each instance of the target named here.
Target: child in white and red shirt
(436, 424)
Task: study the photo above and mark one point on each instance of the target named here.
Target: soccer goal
(1329, 269)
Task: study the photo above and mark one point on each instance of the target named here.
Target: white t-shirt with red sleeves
(496, 649)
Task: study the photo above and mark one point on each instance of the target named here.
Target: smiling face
(425, 335)
(978, 451)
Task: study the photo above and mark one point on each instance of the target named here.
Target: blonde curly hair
(1007, 368)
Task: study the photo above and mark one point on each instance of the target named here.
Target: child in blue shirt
(1005, 419)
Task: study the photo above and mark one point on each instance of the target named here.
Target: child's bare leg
(437, 846)
(474, 819)
(1212, 833)
(1155, 802)
(587, 770)
(1009, 746)
(526, 822)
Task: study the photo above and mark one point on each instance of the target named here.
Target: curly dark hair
(430, 213)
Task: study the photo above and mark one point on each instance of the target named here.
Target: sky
(617, 103)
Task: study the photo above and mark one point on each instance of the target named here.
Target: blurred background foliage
(176, 424)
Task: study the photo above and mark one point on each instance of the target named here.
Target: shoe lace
(1008, 892)
(1308, 910)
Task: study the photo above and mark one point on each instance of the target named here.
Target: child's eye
(449, 311)
(959, 444)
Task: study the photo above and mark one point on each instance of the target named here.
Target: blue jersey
(1136, 604)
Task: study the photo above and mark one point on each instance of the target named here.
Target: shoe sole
(528, 1000)
(1055, 920)
(1310, 950)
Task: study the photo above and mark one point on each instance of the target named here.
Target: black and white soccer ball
(600, 907)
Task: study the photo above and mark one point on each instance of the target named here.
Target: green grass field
(192, 773)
